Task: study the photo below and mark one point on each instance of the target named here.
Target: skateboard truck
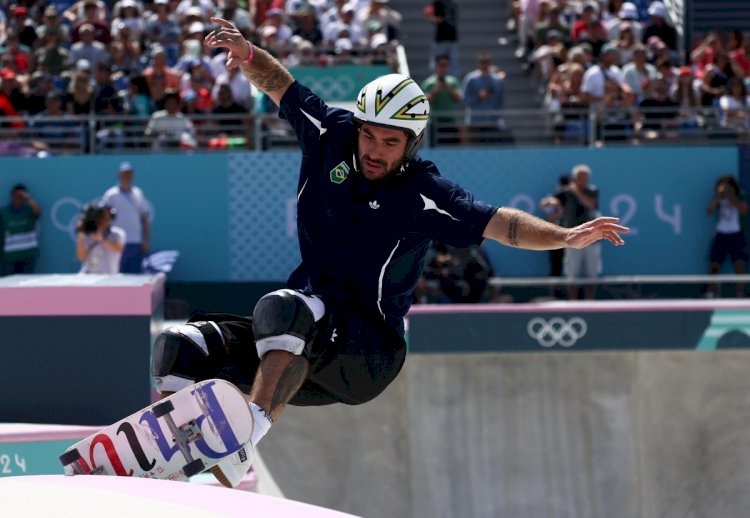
(183, 435)
(73, 457)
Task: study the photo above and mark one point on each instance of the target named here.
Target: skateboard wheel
(194, 467)
(69, 457)
(162, 409)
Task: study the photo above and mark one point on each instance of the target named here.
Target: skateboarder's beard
(384, 169)
(380, 163)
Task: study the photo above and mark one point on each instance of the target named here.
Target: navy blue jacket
(363, 243)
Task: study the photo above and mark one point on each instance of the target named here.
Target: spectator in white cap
(658, 26)
(628, 13)
(347, 23)
(128, 13)
(133, 215)
(343, 49)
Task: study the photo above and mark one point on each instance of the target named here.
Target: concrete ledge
(78, 295)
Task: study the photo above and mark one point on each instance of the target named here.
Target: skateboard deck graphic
(175, 438)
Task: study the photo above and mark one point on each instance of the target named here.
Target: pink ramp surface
(100, 496)
(23, 432)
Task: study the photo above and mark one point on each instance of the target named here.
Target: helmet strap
(411, 150)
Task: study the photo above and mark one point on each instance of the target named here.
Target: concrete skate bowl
(656, 429)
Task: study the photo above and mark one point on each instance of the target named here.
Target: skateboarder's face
(380, 150)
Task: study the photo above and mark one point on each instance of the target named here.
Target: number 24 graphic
(621, 205)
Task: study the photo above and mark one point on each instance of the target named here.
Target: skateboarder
(368, 208)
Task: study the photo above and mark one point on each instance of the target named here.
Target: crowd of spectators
(147, 58)
(623, 60)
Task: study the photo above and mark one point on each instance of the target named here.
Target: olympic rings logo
(332, 88)
(65, 214)
(557, 331)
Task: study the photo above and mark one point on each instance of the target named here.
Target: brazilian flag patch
(339, 173)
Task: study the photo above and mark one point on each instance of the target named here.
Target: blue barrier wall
(232, 216)
(188, 193)
(661, 193)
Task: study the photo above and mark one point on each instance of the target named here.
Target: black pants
(354, 356)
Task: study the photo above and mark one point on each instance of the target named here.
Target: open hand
(230, 38)
(596, 230)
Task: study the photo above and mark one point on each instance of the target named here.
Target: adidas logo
(374, 205)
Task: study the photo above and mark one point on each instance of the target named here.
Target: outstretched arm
(520, 229)
(264, 71)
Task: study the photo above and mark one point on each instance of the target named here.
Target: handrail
(584, 127)
(620, 279)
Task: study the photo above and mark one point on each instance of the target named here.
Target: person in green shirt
(443, 91)
(19, 233)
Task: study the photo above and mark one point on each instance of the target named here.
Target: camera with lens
(92, 216)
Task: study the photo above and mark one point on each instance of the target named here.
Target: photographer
(577, 202)
(99, 244)
(728, 203)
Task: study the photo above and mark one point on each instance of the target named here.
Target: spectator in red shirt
(262, 7)
(740, 59)
(8, 89)
(705, 53)
(170, 76)
(91, 16)
(13, 49)
(590, 28)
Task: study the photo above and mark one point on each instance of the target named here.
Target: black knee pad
(286, 320)
(178, 360)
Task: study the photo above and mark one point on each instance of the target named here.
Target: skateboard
(178, 437)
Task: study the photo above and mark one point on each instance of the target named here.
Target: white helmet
(394, 101)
